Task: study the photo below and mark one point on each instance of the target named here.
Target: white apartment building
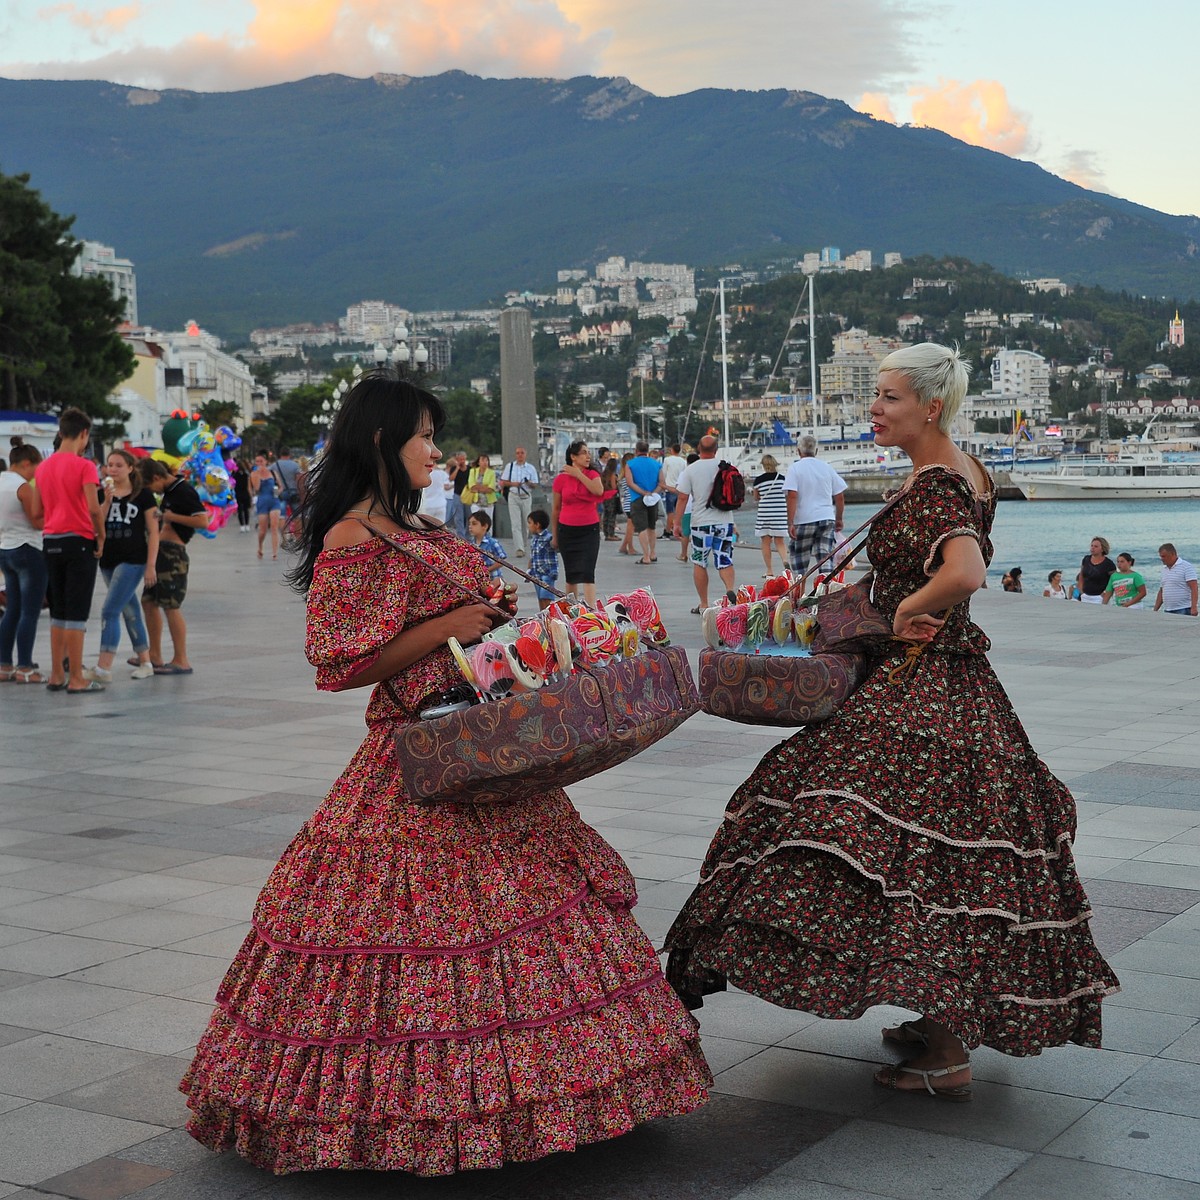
(612, 270)
(99, 261)
(373, 321)
(1021, 373)
(981, 319)
(892, 258)
(854, 366)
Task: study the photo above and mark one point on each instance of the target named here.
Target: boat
(1132, 472)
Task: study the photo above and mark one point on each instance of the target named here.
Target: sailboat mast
(812, 355)
(724, 365)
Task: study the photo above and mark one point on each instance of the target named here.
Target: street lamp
(403, 356)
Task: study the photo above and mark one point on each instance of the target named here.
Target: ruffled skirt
(913, 850)
(436, 990)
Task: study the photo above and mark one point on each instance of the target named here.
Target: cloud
(101, 26)
(1083, 167)
(877, 105)
(291, 39)
(978, 113)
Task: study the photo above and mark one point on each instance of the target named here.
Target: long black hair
(361, 458)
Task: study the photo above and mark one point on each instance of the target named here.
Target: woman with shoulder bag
(482, 491)
(912, 849)
(427, 988)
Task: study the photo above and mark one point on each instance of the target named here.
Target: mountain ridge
(290, 202)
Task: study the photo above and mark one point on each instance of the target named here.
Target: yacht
(1135, 471)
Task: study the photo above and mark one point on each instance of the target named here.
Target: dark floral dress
(433, 989)
(912, 850)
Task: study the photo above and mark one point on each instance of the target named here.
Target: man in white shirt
(712, 528)
(516, 482)
(1177, 593)
(815, 507)
(673, 465)
(435, 496)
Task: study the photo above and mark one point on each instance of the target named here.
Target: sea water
(1046, 535)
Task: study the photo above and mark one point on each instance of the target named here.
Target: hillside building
(372, 321)
(853, 368)
(101, 262)
(1175, 330)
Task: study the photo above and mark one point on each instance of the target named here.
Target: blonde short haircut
(933, 371)
(770, 462)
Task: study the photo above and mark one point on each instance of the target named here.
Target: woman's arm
(150, 517)
(27, 494)
(961, 575)
(555, 510)
(591, 482)
(254, 482)
(468, 624)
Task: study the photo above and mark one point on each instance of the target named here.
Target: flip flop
(84, 691)
(56, 687)
(172, 669)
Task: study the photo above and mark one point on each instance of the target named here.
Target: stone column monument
(518, 413)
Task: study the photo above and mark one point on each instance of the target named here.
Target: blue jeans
(123, 582)
(456, 515)
(25, 582)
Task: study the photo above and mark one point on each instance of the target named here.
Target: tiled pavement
(136, 827)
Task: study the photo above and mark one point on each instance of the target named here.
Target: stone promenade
(137, 826)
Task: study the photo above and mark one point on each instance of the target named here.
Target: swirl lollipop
(731, 625)
(643, 608)
(527, 661)
(597, 636)
(758, 621)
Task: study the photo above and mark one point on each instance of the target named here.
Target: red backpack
(729, 488)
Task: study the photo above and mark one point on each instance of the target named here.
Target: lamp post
(409, 362)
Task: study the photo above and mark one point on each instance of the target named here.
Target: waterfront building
(371, 321)
(854, 366)
(1021, 373)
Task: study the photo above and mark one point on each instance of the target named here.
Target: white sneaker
(97, 675)
(142, 671)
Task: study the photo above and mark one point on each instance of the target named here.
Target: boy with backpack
(713, 486)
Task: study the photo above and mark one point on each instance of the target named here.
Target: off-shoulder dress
(433, 989)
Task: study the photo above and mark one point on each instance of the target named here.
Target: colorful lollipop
(597, 636)
(758, 621)
(731, 625)
(781, 621)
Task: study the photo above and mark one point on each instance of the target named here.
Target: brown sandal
(889, 1077)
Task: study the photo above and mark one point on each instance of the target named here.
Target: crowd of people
(1099, 580)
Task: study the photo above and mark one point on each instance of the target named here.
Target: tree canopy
(59, 344)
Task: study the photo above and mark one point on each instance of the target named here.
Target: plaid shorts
(717, 539)
(812, 544)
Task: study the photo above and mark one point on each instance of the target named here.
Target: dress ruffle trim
(367, 1133)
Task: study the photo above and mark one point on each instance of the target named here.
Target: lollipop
(643, 608)
(781, 621)
(560, 639)
(489, 665)
(731, 625)
(527, 662)
(758, 620)
(746, 593)
(463, 661)
(806, 627)
(708, 626)
(508, 632)
(597, 636)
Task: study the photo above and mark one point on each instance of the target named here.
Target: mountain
(289, 202)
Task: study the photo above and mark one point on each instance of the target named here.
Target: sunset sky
(1097, 91)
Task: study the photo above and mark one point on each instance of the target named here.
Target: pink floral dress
(911, 850)
(433, 989)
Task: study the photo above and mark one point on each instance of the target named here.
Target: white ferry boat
(1135, 472)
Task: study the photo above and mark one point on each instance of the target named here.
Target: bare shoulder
(349, 531)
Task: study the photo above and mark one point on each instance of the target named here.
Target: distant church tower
(1175, 331)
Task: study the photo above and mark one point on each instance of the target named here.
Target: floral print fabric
(911, 850)
(433, 989)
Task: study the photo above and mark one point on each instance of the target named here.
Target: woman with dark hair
(428, 988)
(574, 521)
(129, 561)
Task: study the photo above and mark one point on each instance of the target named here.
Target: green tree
(58, 332)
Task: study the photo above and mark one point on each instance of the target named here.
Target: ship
(1135, 471)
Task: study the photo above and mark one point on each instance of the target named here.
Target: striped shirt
(772, 505)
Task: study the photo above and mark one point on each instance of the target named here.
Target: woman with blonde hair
(770, 521)
(912, 849)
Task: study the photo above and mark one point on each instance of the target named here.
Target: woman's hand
(468, 623)
(915, 626)
(150, 575)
